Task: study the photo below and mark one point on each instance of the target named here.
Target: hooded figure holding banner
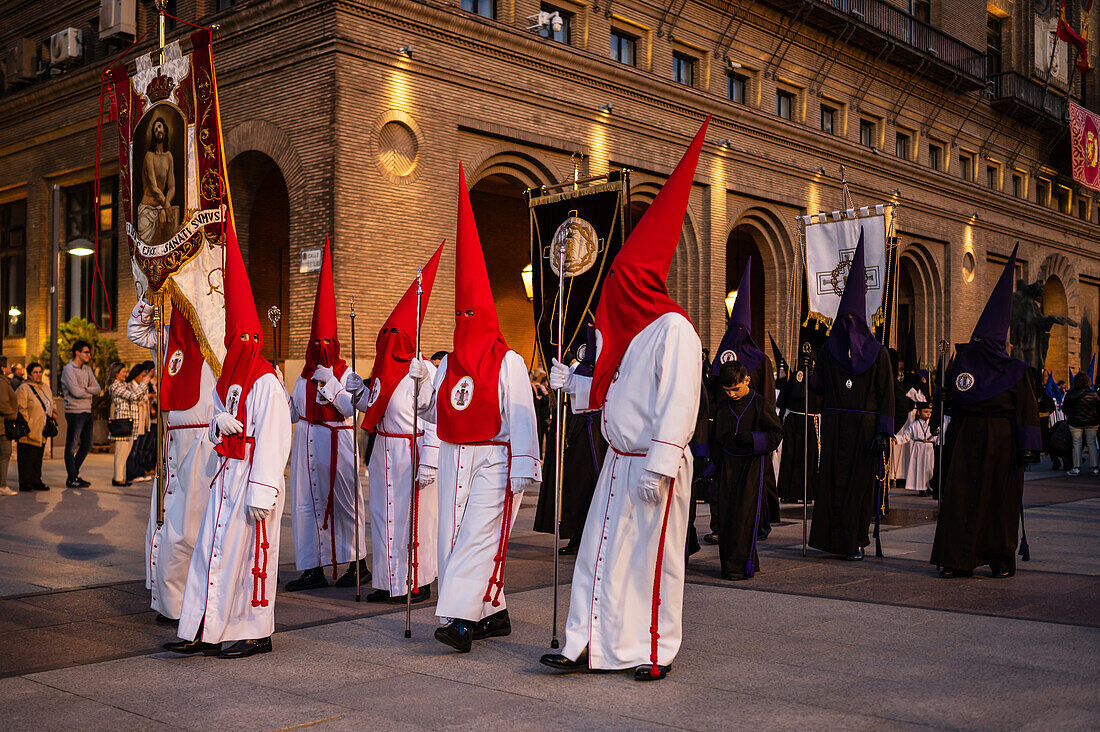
(484, 412)
(186, 399)
(325, 459)
(628, 581)
(993, 433)
(228, 596)
(855, 380)
(388, 407)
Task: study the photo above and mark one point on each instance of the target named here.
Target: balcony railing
(882, 23)
(1014, 91)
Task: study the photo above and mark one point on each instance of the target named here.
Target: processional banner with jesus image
(173, 186)
(831, 240)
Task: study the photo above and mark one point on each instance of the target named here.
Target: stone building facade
(348, 119)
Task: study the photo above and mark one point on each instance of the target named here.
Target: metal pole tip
(408, 634)
(554, 644)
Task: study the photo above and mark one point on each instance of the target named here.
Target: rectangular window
(1064, 199)
(1042, 192)
(901, 145)
(13, 267)
(683, 69)
(224, 4)
(828, 119)
(1018, 186)
(623, 47)
(935, 157)
(484, 8)
(562, 33)
(866, 133)
(966, 166)
(921, 10)
(1083, 209)
(784, 103)
(84, 293)
(994, 44)
(992, 178)
(736, 86)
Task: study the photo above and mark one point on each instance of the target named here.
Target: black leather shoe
(41, 487)
(81, 483)
(948, 573)
(710, 538)
(311, 579)
(246, 648)
(1000, 571)
(120, 483)
(763, 533)
(568, 550)
(378, 596)
(70, 484)
(348, 580)
(165, 620)
(422, 594)
(650, 672)
(495, 626)
(195, 646)
(559, 662)
(459, 635)
(856, 556)
(735, 576)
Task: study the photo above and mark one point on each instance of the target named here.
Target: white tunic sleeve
(517, 406)
(428, 397)
(675, 399)
(429, 442)
(336, 395)
(269, 416)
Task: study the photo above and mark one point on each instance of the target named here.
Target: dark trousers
(30, 465)
(78, 441)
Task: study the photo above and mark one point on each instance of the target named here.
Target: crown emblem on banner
(160, 88)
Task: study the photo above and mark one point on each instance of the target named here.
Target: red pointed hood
(244, 362)
(472, 412)
(634, 293)
(324, 344)
(396, 344)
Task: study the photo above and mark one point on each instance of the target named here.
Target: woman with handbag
(127, 398)
(36, 407)
(143, 453)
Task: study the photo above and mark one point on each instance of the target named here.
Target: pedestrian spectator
(1082, 408)
(9, 408)
(544, 412)
(35, 404)
(18, 375)
(142, 454)
(127, 400)
(437, 358)
(78, 386)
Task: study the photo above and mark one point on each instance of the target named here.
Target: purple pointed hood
(851, 344)
(985, 369)
(738, 338)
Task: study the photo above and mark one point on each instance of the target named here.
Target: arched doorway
(504, 228)
(261, 209)
(1056, 303)
(742, 244)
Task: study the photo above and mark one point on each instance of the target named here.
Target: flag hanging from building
(173, 187)
(1078, 40)
(1084, 144)
(589, 222)
(830, 243)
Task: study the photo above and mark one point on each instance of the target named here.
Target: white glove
(226, 424)
(425, 476)
(560, 375)
(258, 514)
(418, 368)
(322, 374)
(354, 385)
(519, 485)
(648, 488)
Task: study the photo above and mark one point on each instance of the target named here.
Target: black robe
(983, 478)
(795, 427)
(585, 447)
(844, 504)
(741, 476)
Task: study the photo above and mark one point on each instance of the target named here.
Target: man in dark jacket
(1082, 410)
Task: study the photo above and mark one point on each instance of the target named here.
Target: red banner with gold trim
(1084, 143)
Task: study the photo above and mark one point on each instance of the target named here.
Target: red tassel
(653, 626)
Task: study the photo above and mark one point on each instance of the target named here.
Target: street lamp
(80, 248)
(731, 299)
(527, 274)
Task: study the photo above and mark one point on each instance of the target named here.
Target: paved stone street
(810, 642)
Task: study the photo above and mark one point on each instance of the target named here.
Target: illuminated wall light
(601, 150)
(406, 51)
(606, 108)
(80, 248)
(731, 300)
(726, 143)
(527, 274)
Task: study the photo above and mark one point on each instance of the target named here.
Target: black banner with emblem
(589, 221)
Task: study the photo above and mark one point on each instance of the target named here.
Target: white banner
(831, 241)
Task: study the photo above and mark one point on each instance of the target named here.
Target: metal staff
(943, 346)
(274, 314)
(415, 463)
(559, 438)
(162, 474)
(805, 445)
(355, 443)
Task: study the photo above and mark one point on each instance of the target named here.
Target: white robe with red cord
(474, 485)
(918, 437)
(190, 463)
(311, 481)
(221, 585)
(648, 420)
(391, 477)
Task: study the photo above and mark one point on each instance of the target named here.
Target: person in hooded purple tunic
(737, 345)
(994, 432)
(856, 383)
